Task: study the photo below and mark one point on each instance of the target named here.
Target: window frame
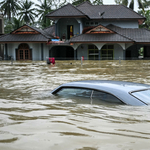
(57, 90)
(106, 50)
(137, 97)
(94, 54)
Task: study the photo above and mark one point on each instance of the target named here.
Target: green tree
(97, 2)
(118, 2)
(132, 3)
(9, 26)
(26, 13)
(94, 2)
(9, 8)
(77, 2)
(146, 14)
(43, 8)
(146, 4)
(57, 3)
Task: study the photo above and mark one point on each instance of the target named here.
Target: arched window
(93, 52)
(107, 52)
(23, 52)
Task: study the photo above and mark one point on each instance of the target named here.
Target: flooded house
(95, 32)
(1, 33)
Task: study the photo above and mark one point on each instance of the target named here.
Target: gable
(66, 11)
(99, 29)
(25, 30)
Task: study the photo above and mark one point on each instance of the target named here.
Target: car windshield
(143, 95)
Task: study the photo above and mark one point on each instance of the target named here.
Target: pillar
(75, 54)
(99, 54)
(6, 52)
(41, 51)
(124, 54)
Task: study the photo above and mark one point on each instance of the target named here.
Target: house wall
(62, 26)
(118, 52)
(122, 24)
(82, 50)
(11, 50)
(36, 50)
(45, 51)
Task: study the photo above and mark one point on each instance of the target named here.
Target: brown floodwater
(32, 118)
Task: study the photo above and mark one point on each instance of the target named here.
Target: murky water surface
(32, 118)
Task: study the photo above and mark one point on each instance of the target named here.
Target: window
(23, 52)
(93, 52)
(96, 23)
(141, 52)
(142, 95)
(92, 23)
(95, 97)
(105, 97)
(75, 92)
(87, 23)
(107, 52)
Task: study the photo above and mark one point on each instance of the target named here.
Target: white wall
(46, 49)
(118, 51)
(11, 49)
(122, 24)
(36, 50)
(82, 50)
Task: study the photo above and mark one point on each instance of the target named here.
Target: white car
(121, 92)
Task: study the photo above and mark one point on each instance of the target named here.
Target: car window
(96, 96)
(103, 96)
(142, 95)
(75, 92)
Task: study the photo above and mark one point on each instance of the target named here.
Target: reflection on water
(32, 118)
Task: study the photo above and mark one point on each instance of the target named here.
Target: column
(75, 54)
(41, 51)
(99, 54)
(124, 54)
(6, 52)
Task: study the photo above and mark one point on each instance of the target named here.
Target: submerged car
(121, 92)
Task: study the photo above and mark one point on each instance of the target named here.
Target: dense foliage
(18, 12)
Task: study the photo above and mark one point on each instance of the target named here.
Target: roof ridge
(78, 9)
(64, 6)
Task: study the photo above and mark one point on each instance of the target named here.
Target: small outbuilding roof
(23, 38)
(27, 33)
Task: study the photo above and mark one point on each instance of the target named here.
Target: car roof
(109, 85)
(120, 89)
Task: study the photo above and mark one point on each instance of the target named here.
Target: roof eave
(101, 42)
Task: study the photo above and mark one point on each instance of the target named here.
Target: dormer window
(92, 23)
(87, 23)
(96, 23)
